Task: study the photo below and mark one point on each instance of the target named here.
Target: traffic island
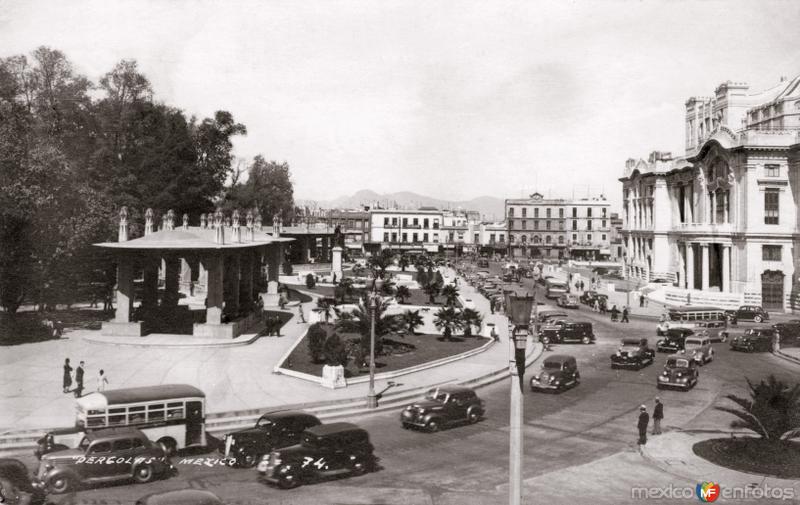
(774, 458)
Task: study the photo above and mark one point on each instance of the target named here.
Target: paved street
(584, 437)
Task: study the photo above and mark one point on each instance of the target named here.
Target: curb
(787, 357)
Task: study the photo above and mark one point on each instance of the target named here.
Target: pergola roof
(194, 238)
(312, 230)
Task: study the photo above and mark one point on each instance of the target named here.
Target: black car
(567, 331)
(753, 313)
(443, 406)
(15, 480)
(272, 430)
(324, 451)
(633, 353)
(756, 339)
(559, 372)
(674, 340)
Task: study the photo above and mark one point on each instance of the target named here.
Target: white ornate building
(724, 217)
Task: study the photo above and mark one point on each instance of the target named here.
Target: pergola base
(226, 330)
(117, 329)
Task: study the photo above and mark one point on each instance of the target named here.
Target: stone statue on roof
(148, 222)
(202, 221)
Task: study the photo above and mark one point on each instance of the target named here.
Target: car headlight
(664, 373)
(421, 411)
(682, 379)
(552, 379)
(619, 353)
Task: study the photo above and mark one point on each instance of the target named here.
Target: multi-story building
(558, 228)
(723, 217)
(616, 243)
(351, 221)
(406, 229)
(455, 228)
(487, 237)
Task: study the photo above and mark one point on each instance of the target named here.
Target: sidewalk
(234, 378)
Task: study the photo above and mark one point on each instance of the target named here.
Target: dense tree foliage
(268, 188)
(72, 153)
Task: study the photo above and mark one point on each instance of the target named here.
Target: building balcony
(709, 228)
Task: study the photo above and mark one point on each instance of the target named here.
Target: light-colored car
(698, 347)
(568, 302)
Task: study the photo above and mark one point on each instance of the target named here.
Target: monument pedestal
(117, 329)
(336, 263)
(271, 298)
(333, 377)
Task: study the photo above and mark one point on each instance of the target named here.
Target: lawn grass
(753, 455)
(409, 350)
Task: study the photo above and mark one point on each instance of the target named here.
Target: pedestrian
(491, 305)
(67, 376)
(596, 307)
(300, 314)
(658, 415)
(277, 325)
(625, 314)
(646, 301)
(582, 284)
(614, 313)
(603, 305)
(102, 381)
(641, 300)
(644, 420)
(592, 282)
(494, 334)
(79, 380)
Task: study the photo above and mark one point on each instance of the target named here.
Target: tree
(403, 262)
(380, 262)
(268, 188)
(411, 320)
(471, 318)
(316, 342)
(449, 321)
(335, 351)
(432, 290)
(772, 411)
(402, 293)
(450, 292)
(360, 320)
(311, 281)
(422, 277)
(325, 307)
(346, 288)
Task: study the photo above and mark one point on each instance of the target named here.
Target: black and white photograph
(348, 252)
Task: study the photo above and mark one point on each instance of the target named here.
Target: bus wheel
(143, 474)
(168, 445)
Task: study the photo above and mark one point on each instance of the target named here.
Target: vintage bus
(554, 288)
(172, 415)
(710, 320)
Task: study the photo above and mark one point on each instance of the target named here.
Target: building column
(150, 286)
(726, 268)
(124, 290)
(246, 296)
(215, 278)
(713, 217)
(326, 251)
(727, 204)
(689, 265)
(172, 271)
(232, 265)
(704, 267)
(274, 254)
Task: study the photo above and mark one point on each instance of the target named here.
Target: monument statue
(338, 237)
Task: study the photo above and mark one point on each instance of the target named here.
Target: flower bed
(753, 455)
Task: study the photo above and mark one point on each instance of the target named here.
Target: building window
(524, 212)
(524, 239)
(561, 212)
(771, 252)
(511, 212)
(772, 170)
(491, 238)
(574, 237)
(574, 212)
(405, 237)
(588, 224)
(394, 221)
(394, 237)
(771, 206)
(477, 238)
(524, 225)
(502, 238)
(405, 221)
(589, 237)
(548, 239)
(415, 237)
(510, 238)
(603, 237)
(386, 221)
(588, 212)
(561, 225)
(424, 237)
(536, 239)
(547, 225)
(435, 224)
(425, 223)
(560, 239)
(604, 212)
(416, 221)
(536, 212)
(536, 224)
(574, 224)
(548, 213)
(385, 237)
(604, 222)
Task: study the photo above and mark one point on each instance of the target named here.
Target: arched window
(548, 239)
(536, 239)
(561, 239)
(524, 239)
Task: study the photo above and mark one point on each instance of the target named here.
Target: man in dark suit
(79, 380)
(644, 420)
(658, 415)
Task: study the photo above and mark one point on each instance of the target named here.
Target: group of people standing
(80, 372)
(644, 420)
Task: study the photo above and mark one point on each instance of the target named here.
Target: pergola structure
(223, 259)
(312, 242)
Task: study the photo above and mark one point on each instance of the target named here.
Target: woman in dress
(67, 376)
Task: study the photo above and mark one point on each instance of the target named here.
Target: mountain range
(491, 208)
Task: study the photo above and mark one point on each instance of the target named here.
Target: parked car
(755, 339)
(633, 353)
(788, 332)
(673, 340)
(716, 331)
(17, 481)
(559, 372)
(543, 316)
(142, 460)
(271, 431)
(324, 451)
(568, 302)
(680, 371)
(444, 406)
(698, 347)
(753, 313)
(588, 298)
(567, 331)
(48, 444)
(181, 497)
(483, 263)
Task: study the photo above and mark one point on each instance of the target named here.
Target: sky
(449, 99)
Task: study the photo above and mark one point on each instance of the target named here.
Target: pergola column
(231, 287)
(124, 290)
(214, 299)
(326, 254)
(704, 267)
(689, 265)
(150, 286)
(246, 295)
(172, 274)
(274, 254)
(726, 268)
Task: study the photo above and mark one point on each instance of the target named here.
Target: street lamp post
(519, 314)
(372, 398)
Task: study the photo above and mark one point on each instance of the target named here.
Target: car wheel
(586, 340)
(474, 416)
(288, 481)
(143, 474)
(577, 379)
(247, 460)
(360, 467)
(61, 484)
(169, 446)
(750, 348)
(758, 319)
(432, 426)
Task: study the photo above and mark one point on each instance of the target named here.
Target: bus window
(95, 421)
(155, 412)
(136, 414)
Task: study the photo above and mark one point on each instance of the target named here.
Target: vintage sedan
(680, 372)
(559, 372)
(325, 451)
(633, 353)
(560, 332)
(272, 430)
(673, 340)
(756, 339)
(444, 406)
(17, 481)
(699, 348)
(753, 313)
(568, 302)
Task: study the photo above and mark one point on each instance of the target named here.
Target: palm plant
(450, 294)
(432, 289)
(360, 321)
(449, 321)
(471, 318)
(772, 411)
(402, 293)
(325, 307)
(411, 320)
(403, 262)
